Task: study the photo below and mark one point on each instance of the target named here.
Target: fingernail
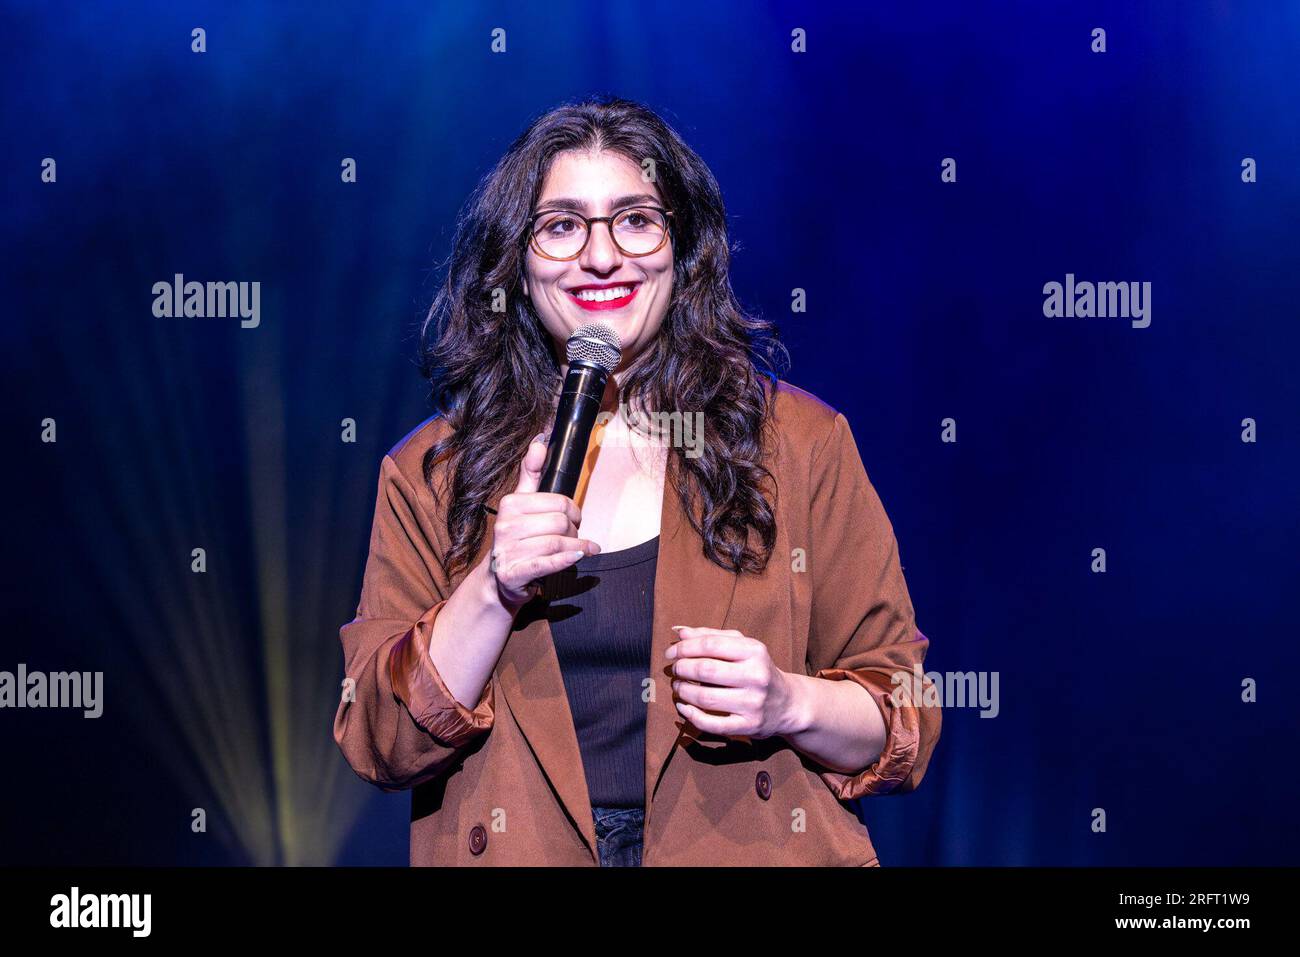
(539, 436)
(678, 627)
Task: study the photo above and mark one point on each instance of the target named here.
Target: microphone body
(593, 351)
(574, 419)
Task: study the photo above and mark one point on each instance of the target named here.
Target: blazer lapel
(533, 688)
(689, 590)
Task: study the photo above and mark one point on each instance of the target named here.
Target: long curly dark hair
(495, 375)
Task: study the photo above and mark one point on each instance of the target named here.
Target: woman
(690, 662)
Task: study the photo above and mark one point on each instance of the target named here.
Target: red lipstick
(602, 305)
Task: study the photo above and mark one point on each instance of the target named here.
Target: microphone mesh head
(595, 343)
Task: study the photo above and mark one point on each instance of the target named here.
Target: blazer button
(763, 785)
(477, 839)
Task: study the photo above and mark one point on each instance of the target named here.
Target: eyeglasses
(562, 235)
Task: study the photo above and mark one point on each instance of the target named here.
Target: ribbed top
(600, 612)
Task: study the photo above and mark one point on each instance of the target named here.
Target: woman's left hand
(726, 684)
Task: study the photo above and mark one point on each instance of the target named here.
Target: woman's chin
(617, 319)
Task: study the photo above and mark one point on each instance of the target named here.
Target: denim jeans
(618, 835)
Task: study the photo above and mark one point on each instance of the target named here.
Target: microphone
(594, 351)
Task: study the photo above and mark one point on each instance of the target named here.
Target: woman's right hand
(535, 534)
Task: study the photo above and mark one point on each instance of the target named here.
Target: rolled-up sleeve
(862, 626)
(397, 723)
(418, 685)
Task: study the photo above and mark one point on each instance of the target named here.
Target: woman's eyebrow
(581, 206)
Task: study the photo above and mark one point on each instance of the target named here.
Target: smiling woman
(624, 271)
(638, 231)
(692, 662)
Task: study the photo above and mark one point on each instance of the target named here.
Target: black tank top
(600, 611)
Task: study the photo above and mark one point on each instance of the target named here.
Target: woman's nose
(601, 253)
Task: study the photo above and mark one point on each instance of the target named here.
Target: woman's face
(601, 184)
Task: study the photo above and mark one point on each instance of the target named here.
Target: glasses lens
(559, 234)
(637, 231)
(640, 230)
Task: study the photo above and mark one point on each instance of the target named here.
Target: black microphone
(594, 351)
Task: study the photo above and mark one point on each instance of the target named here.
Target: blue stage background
(1120, 691)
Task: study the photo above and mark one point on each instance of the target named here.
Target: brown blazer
(503, 783)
